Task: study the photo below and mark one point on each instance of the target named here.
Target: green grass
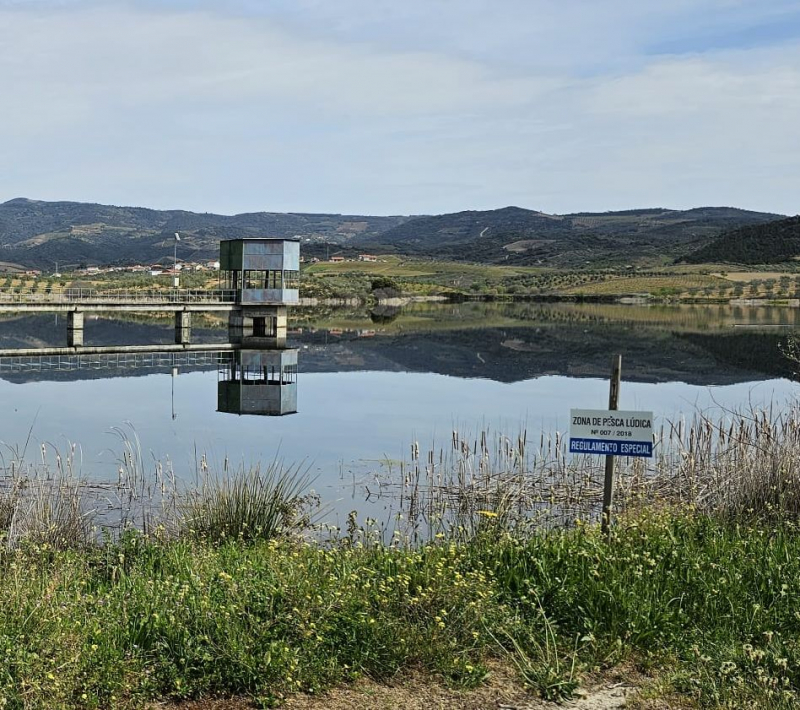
(664, 285)
(708, 606)
(425, 277)
(233, 593)
(246, 505)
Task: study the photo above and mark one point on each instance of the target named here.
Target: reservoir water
(370, 383)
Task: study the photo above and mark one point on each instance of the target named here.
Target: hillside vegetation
(35, 233)
(518, 236)
(770, 243)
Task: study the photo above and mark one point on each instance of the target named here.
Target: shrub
(247, 504)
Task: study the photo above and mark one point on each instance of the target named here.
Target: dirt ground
(502, 691)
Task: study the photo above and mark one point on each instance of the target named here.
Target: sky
(402, 106)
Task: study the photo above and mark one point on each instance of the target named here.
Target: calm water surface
(369, 384)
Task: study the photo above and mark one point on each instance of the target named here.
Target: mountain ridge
(518, 236)
(772, 242)
(36, 233)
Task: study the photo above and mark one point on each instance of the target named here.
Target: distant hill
(520, 236)
(37, 233)
(769, 243)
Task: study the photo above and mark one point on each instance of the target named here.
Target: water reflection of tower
(260, 375)
(258, 382)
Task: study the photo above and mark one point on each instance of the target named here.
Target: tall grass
(247, 503)
(741, 464)
(49, 501)
(52, 514)
(8, 505)
(45, 502)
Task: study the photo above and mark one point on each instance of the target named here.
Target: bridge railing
(90, 295)
(155, 359)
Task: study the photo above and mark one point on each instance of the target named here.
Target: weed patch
(708, 603)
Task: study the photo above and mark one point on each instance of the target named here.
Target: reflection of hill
(513, 354)
(752, 352)
(515, 341)
(50, 330)
(502, 342)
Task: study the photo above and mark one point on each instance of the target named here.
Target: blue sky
(419, 106)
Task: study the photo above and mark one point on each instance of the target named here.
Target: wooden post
(608, 483)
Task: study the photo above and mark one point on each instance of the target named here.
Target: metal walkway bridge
(255, 314)
(85, 299)
(114, 358)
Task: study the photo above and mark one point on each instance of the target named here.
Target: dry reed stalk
(48, 501)
(741, 464)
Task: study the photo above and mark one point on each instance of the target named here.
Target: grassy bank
(709, 607)
(496, 561)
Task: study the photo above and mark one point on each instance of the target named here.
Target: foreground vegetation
(709, 607)
(230, 590)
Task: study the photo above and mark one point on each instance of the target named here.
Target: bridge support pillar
(258, 326)
(183, 327)
(74, 328)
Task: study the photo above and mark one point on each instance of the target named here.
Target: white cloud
(124, 58)
(213, 111)
(704, 130)
(734, 83)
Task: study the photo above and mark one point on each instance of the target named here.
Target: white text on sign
(611, 432)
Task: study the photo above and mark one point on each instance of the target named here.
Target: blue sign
(610, 447)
